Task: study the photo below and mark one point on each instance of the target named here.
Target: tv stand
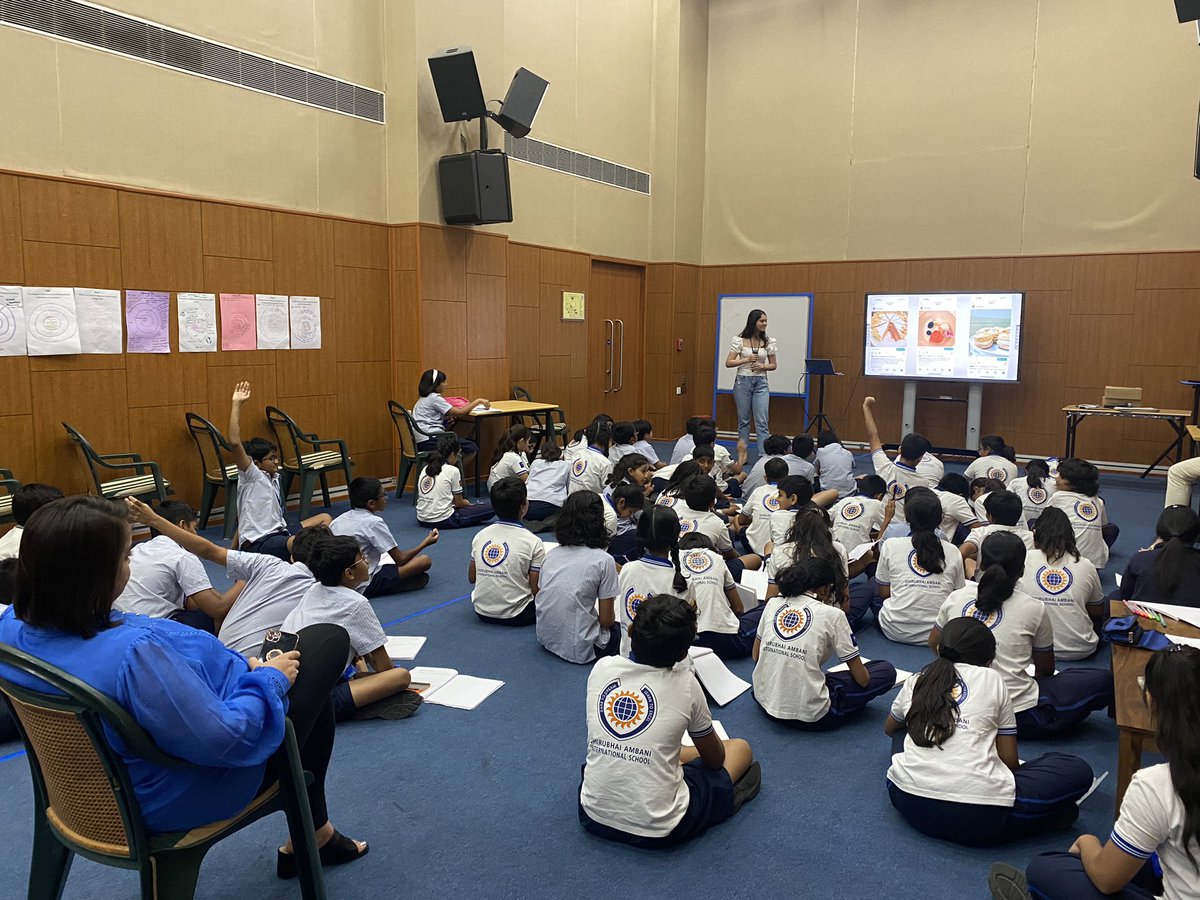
(908, 416)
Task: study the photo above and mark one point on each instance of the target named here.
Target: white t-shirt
(993, 466)
(548, 481)
(640, 580)
(589, 471)
(273, 588)
(785, 555)
(259, 509)
(429, 413)
(1034, 500)
(10, 544)
(1087, 515)
(750, 350)
(374, 538)
(900, 477)
(435, 494)
(757, 476)
(616, 451)
(683, 449)
(801, 467)
(708, 579)
(979, 535)
(162, 575)
(707, 523)
(1151, 821)
(908, 615)
(956, 510)
(511, 463)
(966, 768)
(574, 448)
(1065, 587)
(338, 605)
(931, 467)
(760, 506)
(504, 553)
(646, 449)
(571, 581)
(781, 523)
(797, 636)
(835, 465)
(636, 718)
(1020, 627)
(855, 518)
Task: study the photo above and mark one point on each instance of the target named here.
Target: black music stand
(820, 368)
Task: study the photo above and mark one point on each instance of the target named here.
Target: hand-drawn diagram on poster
(197, 322)
(12, 322)
(146, 316)
(237, 322)
(272, 312)
(51, 326)
(306, 323)
(99, 313)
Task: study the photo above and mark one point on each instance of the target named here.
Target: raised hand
(139, 512)
(241, 392)
(868, 402)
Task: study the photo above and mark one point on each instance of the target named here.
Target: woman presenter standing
(752, 353)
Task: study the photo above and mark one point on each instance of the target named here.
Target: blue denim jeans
(752, 395)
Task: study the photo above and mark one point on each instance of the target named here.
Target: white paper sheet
(756, 580)
(464, 692)
(306, 322)
(51, 325)
(271, 312)
(197, 315)
(1184, 641)
(12, 322)
(404, 646)
(860, 551)
(721, 684)
(99, 313)
(1117, 575)
(750, 599)
(717, 727)
(1095, 784)
(902, 675)
(550, 545)
(430, 676)
(1189, 614)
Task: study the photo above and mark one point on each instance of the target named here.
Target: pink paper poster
(238, 331)
(147, 317)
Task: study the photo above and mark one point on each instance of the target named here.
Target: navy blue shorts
(343, 701)
(273, 544)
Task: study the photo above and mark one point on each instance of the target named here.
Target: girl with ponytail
(440, 500)
(1169, 572)
(1068, 585)
(1035, 489)
(996, 460)
(511, 456)
(1045, 705)
(809, 535)
(657, 571)
(956, 774)
(431, 411)
(672, 486)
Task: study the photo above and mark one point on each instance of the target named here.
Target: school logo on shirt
(632, 601)
(853, 510)
(688, 525)
(624, 713)
(579, 467)
(1037, 496)
(897, 490)
(698, 562)
(426, 484)
(771, 503)
(1087, 510)
(958, 691)
(666, 500)
(991, 620)
(791, 622)
(494, 554)
(1053, 580)
(916, 567)
(998, 473)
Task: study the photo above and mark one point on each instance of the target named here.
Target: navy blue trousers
(1065, 700)
(733, 646)
(846, 698)
(1060, 876)
(464, 517)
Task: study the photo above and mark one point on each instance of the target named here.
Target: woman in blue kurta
(198, 700)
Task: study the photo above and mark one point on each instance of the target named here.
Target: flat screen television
(951, 336)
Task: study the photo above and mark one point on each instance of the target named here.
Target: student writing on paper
(725, 627)
(433, 413)
(640, 786)
(1169, 571)
(506, 560)
(404, 570)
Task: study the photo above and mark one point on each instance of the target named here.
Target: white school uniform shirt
(797, 635)
(273, 588)
(1065, 586)
(908, 615)
(575, 448)
(956, 510)
(429, 414)
(616, 451)
(162, 575)
(707, 523)
(505, 554)
(758, 474)
(900, 477)
(636, 719)
(259, 509)
(571, 581)
(966, 768)
(683, 449)
(708, 579)
(785, 555)
(646, 449)
(338, 605)
(640, 580)
(1034, 500)
(801, 467)
(781, 523)
(511, 463)
(548, 481)
(1020, 627)
(979, 535)
(992, 466)
(374, 538)
(10, 544)
(760, 506)
(855, 518)
(931, 467)
(589, 471)
(1151, 821)
(722, 462)
(613, 522)
(1087, 515)
(835, 464)
(435, 493)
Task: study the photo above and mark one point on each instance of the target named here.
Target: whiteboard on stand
(789, 322)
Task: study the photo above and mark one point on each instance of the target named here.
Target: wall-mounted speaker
(522, 101)
(1187, 10)
(474, 188)
(456, 81)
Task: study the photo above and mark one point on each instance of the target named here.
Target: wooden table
(1135, 725)
(514, 409)
(1176, 418)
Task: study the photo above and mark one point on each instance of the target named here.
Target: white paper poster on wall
(12, 322)
(271, 311)
(99, 313)
(197, 322)
(51, 326)
(306, 323)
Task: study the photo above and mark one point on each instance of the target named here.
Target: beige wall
(884, 130)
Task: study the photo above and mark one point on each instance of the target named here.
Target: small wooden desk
(1176, 418)
(513, 408)
(1135, 725)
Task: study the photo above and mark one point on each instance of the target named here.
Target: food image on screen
(937, 328)
(991, 332)
(889, 328)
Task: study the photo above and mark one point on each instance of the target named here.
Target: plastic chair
(10, 485)
(558, 430)
(218, 474)
(146, 482)
(84, 801)
(412, 459)
(301, 455)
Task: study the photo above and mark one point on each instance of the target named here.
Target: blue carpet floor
(483, 803)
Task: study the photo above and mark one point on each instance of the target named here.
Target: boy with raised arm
(914, 466)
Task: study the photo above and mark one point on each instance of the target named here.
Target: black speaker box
(474, 188)
(1187, 10)
(522, 101)
(456, 81)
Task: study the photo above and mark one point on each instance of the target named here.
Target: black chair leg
(325, 488)
(308, 483)
(172, 876)
(402, 476)
(231, 517)
(51, 862)
(206, 503)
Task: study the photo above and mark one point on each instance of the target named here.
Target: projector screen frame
(953, 379)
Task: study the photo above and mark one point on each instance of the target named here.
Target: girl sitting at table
(432, 409)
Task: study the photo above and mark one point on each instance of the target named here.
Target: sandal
(338, 850)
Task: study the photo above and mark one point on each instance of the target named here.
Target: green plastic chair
(146, 479)
(412, 459)
(84, 801)
(537, 424)
(301, 456)
(219, 474)
(10, 485)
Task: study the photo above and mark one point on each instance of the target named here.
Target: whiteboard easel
(790, 323)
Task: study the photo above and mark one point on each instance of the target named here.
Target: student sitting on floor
(726, 471)
(1046, 704)
(800, 458)
(1076, 490)
(340, 567)
(506, 559)
(959, 777)
(642, 432)
(910, 467)
(800, 630)
(1158, 826)
(958, 512)
(623, 506)
(760, 506)
(656, 571)
(1035, 489)
(440, 500)
(622, 441)
(670, 486)
(261, 526)
(640, 786)
(834, 464)
(167, 582)
(632, 468)
(580, 442)
(575, 603)
(1067, 585)
(864, 515)
(1168, 572)
(700, 495)
(591, 467)
(26, 500)
(1004, 514)
(546, 485)
(810, 535)
(511, 456)
(725, 626)
(996, 460)
(684, 445)
(775, 446)
(405, 570)
(795, 493)
(981, 489)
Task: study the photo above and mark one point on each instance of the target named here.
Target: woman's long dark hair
(1173, 683)
(658, 530)
(76, 598)
(1002, 562)
(923, 512)
(1177, 528)
(810, 535)
(933, 716)
(508, 442)
(1054, 536)
(1036, 471)
(580, 522)
(751, 329)
(446, 445)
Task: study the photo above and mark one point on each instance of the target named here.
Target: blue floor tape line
(12, 756)
(422, 612)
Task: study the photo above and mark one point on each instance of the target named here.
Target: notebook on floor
(446, 687)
